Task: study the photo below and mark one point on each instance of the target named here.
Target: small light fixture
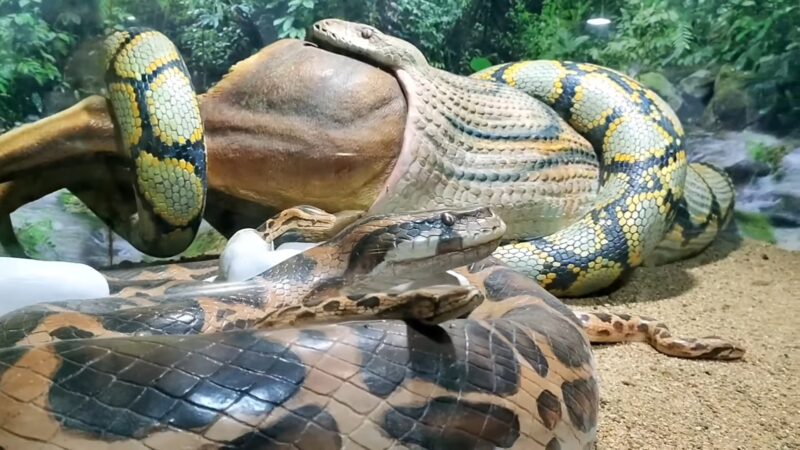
(599, 21)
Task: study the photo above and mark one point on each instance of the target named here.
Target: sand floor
(748, 292)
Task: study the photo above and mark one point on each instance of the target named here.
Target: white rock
(26, 282)
(247, 255)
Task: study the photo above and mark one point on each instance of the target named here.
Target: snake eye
(448, 219)
(366, 33)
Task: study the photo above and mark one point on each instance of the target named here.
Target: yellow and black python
(498, 143)
(158, 121)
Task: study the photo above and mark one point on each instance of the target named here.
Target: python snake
(521, 138)
(157, 118)
(158, 373)
(517, 373)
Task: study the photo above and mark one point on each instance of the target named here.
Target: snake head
(389, 250)
(366, 42)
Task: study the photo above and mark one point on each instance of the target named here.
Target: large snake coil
(160, 129)
(525, 139)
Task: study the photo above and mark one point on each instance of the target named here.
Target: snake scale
(159, 126)
(195, 368)
(176, 363)
(525, 143)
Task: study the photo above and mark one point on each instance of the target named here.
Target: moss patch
(36, 238)
(755, 226)
(769, 155)
(207, 243)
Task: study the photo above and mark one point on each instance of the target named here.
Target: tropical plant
(31, 51)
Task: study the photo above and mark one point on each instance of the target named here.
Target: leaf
(479, 63)
(287, 24)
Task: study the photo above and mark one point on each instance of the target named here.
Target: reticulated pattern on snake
(159, 127)
(495, 138)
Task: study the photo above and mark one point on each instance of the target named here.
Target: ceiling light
(598, 21)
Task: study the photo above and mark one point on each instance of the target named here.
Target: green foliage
(428, 25)
(755, 226)
(761, 39)
(769, 155)
(557, 32)
(479, 63)
(298, 15)
(35, 238)
(30, 51)
(650, 33)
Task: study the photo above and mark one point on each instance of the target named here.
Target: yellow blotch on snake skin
(123, 99)
(171, 187)
(144, 54)
(172, 108)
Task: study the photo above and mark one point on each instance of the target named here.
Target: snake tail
(704, 211)
(159, 127)
(609, 328)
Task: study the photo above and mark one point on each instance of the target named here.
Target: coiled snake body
(159, 126)
(187, 369)
(469, 141)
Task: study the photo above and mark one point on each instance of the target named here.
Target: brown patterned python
(517, 373)
(495, 139)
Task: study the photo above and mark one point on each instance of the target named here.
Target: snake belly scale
(158, 118)
(470, 140)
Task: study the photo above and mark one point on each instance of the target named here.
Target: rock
(26, 282)
(662, 86)
(247, 255)
(696, 90)
(691, 111)
(732, 107)
(769, 193)
(727, 148)
(746, 170)
(699, 85)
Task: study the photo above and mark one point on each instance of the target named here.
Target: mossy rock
(659, 83)
(732, 107)
(699, 85)
(209, 242)
(772, 156)
(36, 238)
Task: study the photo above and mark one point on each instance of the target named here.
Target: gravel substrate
(747, 292)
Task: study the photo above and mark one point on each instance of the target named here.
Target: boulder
(699, 85)
(732, 107)
(663, 87)
(696, 90)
